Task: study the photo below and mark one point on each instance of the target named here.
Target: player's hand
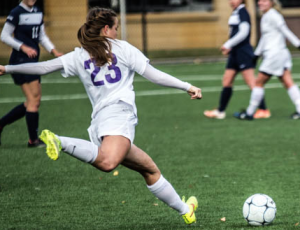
(225, 51)
(56, 53)
(195, 92)
(31, 53)
(2, 70)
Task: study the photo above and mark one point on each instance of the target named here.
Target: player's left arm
(289, 35)
(160, 78)
(46, 43)
(280, 24)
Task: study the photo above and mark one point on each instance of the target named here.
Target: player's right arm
(37, 68)
(8, 39)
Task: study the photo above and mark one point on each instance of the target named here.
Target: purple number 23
(87, 65)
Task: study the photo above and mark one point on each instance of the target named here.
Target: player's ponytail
(89, 37)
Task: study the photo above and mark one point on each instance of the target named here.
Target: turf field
(222, 162)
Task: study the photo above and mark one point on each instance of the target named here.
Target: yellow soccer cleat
(53, 145)
(190, 217)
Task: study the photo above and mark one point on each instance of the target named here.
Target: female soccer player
(276, 58)
(106, 67)
(25, 22)
(240, 60)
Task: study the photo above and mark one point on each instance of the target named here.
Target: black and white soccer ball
(259, 210)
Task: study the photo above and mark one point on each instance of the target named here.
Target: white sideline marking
(140, 79)
(138, 93)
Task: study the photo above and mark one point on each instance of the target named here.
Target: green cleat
(190, 217)
(53, 145)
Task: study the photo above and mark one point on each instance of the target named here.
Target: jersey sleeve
(244, 16)
(278, 20)
(13, 18)
(137, 61)
(69, 65)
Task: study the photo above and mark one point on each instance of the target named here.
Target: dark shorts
(240, 60)
(21, 79)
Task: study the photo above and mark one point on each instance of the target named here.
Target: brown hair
(89, 37)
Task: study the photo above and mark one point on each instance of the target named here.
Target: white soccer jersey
(107, 84)
(274, 33)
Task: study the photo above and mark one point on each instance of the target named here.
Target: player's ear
(106, 27)
(104, 30)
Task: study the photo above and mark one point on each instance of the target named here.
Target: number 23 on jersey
(108, 77)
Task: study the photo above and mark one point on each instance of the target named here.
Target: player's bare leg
(249, 77)
(112, 152)
(139, 161)
(115, 150)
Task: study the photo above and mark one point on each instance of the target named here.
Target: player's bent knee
(106, 165)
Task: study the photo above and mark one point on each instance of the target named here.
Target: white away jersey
(107, 84)
(271, 36)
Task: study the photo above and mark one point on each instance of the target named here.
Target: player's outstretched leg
(190, 217)
(53, 145)
(139, 161)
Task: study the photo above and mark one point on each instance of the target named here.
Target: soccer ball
(259, 210)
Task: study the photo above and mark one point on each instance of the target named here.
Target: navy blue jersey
(237, 17)
(27, 28)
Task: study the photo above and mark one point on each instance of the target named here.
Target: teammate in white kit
(106, 67)
(276, 58)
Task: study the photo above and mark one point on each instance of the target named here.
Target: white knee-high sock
(164, 191)
(257, 95)
(81, 149)
(294, 94)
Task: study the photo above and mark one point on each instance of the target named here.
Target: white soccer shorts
(276, 63)
(116, 119)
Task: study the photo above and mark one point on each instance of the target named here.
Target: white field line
(140, 79)
(138, 93)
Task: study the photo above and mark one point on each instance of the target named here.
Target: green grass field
(222, 162)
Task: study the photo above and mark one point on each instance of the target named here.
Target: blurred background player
(106, 67)
(23, 31)
(276, 58)
(240, 59)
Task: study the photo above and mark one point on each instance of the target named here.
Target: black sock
(13, 115)
(224, 98)
(32, 120)
(262, 104)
